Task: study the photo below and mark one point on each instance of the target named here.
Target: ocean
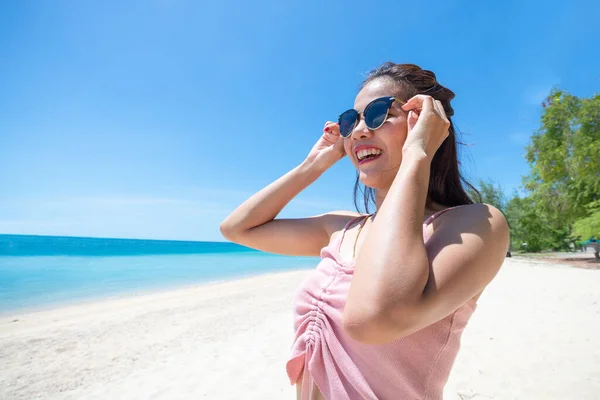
(41, 272)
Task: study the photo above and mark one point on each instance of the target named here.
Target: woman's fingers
(413, 117)
(422, 104)
(332, 127)
(440, 109)
(331, 132)
(419, 102)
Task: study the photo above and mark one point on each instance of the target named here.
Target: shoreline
(167, 345)
(534, 335)
(138, 295)
(88, 300)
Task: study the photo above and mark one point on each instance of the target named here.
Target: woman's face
(378, 172)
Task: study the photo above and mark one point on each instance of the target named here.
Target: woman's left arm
(401, 284)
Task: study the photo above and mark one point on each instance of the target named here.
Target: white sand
(535, 335)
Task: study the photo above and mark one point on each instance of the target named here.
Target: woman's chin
(376, 179)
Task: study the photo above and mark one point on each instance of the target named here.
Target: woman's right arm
(254, 224)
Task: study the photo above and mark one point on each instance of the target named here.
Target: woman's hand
(329, 149)
(428, 125)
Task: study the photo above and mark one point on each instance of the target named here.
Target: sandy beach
(535, 335)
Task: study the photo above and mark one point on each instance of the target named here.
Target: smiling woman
(382, 314)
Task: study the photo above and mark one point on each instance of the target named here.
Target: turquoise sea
(39, 272)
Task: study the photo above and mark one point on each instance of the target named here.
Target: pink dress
(413, 367)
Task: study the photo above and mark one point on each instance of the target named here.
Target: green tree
(564, 183)
(562, 202)
(564, 155)
(589, 226)
(533, 230)
(489, 193)
(492, 194)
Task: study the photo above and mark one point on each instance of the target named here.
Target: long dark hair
(445, 180)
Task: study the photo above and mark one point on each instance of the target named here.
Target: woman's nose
(361, 130)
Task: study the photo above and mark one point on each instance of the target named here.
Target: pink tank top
(413, 367)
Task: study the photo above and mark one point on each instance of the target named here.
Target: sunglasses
(375, 114)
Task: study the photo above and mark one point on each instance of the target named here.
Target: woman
(382, 314)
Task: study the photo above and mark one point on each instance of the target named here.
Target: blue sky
(154, 119)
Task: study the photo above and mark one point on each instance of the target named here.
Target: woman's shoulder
(476, 211)
(476, 218)
(336, 221)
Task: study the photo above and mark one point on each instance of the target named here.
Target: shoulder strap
(437, 214)
(353, 220)
(434, 216)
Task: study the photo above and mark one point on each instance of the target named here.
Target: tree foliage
(562, 202)
(489, 193)
(589, 226)
(564, 155)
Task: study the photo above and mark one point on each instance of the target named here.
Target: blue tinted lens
(347, 122)
(375, 115)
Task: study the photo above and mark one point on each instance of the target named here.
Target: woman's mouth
(367, 155)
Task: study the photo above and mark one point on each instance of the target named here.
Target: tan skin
(400, 284)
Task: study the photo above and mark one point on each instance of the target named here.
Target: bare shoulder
(335, 221)
(483, 220)
(478, 212)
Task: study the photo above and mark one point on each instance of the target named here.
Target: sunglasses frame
(389, 99)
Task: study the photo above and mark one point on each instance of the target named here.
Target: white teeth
(362, 154)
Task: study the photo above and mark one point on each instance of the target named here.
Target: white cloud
(233, 197)
(180, 218)
(116, 216)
